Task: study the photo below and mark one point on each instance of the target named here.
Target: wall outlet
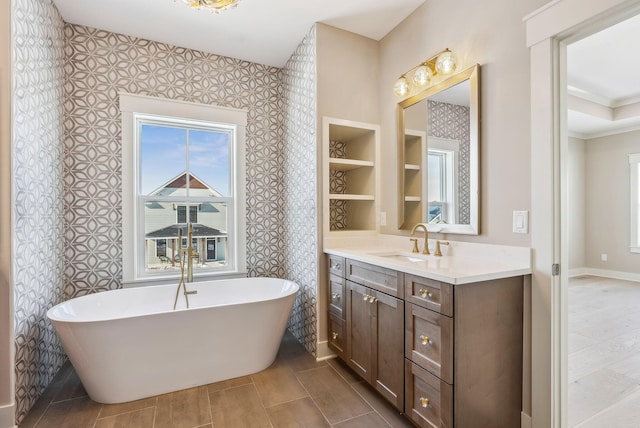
(603, 257)
(383, 218)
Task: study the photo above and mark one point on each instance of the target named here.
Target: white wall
(607, 202)
(478, 34)
(348, 72)
(6, 320)
(576, 203)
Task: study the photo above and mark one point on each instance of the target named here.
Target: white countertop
(461, 263)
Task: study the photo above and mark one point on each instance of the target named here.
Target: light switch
(521, 222)
(383, 218)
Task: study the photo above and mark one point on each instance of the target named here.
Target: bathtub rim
(52, 318)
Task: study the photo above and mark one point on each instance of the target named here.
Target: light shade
(422, 76)
(212, 5)
(401, 87)
(446, 62)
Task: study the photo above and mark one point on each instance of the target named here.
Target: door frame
(548, 31)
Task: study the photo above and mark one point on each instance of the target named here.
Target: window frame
(634, 202)
(132, 105)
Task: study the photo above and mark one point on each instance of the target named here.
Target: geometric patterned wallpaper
(301, 188)
(68, 169)
(337, 185)
(452, 121)
(100, 64)
(38, 234)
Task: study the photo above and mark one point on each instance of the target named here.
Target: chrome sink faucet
(426, 238)
(189, 255)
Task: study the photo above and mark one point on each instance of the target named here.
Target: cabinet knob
(334, 335)
(425, 340)
(372, 299)
(335, 266)
(335, 296)
(424, 402)
(425, 293)
(365, 297)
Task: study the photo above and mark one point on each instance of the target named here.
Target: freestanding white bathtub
(130, 344)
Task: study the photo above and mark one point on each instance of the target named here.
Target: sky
(164, 152)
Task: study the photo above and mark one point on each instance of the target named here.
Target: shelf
(350, 160)
(412, 167)
(348, 164)
(412, 199)
(348, 197)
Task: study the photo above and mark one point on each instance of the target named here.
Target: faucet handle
(438, 251)
(415, 245)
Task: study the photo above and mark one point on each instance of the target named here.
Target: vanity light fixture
(215, 6)
(444, 62)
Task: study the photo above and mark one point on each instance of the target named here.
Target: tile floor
(296, 391)
(604, 353)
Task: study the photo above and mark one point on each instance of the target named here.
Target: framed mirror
(438, 156)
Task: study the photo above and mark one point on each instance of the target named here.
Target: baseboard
(525, 420)
(324, 352)
(577, 272)
(7, 416)
(627, 276)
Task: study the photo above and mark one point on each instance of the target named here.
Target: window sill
(164, 280)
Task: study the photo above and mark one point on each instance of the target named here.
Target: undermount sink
(402, 256)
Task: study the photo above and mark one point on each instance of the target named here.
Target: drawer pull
(425, 340)
(335, 296)
(424, 402)
(335, 266)
(425, 293)
(369, 298)
(334, 335)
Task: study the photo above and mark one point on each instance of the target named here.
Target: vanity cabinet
(374, 347)
(458, 363)
(372, 322)
(463, 350)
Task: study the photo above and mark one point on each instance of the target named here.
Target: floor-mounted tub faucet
(188, 254)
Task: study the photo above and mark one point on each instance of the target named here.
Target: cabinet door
(429, 400)
(359, 331)
(336, 295)
(337, 335)
(429, 341)
(388, 347)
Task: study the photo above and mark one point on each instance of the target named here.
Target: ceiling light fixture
(444, 62)
(215, 6)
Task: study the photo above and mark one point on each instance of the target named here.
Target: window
(161, 248)
(442, 170)
(181, 214)
(634, 202)
(183, 164)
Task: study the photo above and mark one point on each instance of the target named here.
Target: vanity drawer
(429, 341)
(434, 295)
(428, 400)
(382, 279)
(336, 265)
(337, 335)
(336, 295)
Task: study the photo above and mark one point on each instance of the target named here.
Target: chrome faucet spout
(426, 236)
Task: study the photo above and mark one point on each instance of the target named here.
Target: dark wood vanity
(445, 355)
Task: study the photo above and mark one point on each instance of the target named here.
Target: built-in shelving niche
(351, 181)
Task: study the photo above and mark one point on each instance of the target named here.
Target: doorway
(549, 31)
